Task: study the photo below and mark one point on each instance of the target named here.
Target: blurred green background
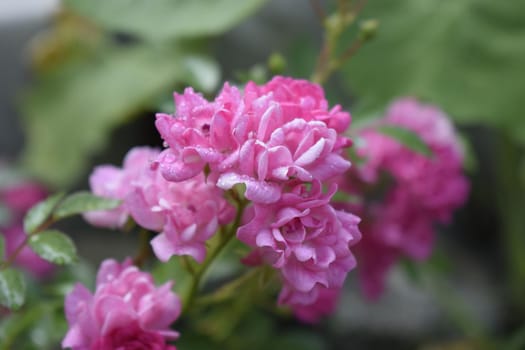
(82, 79)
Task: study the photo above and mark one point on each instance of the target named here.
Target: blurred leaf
(12, 288)
(54, 246)
(69, 111)
(38, 214)
(406, 137)
(166, 19)
(470, 161)
(173, 270)
(81, 202)
(517, 340)
(466, 56)
(297, 340)
(39, 317)
(204, 73)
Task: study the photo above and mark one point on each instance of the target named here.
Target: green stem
(144, 248)
(335, 25)
(212, 255)
(12, 257)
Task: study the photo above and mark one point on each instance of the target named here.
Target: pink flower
(324, 304)
(303, 99)
(306, 239)
(113, 182)
(420, 191)
(126, 311)
(187, 213)
(263, 137)
(191, 211)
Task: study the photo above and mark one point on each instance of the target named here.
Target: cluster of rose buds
(287, 149)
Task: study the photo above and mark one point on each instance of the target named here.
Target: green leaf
(204, 73)
(81, 202)
(12, 288)
(54, 246)
(70, 110)
(465, 56)
(163, 272)
(166, 19)
(38, 214)
(297, 340)
(406, 137)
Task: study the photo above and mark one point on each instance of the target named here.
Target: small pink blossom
(112, 182)
(263, 137)
(306, 239)
(126, 311)
(186, 213)
(418, 191)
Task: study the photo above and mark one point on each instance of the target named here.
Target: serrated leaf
(82, 100)
(406, 137)
(465, 56)
(81, 202)
(38, 214)
(166, 19)
(54, 246)
(12, 288)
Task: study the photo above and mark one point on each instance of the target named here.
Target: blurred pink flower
(20, 197)
(126, 311)
(420, 191)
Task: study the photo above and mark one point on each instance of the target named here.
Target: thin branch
(318, 10)
(360, 5)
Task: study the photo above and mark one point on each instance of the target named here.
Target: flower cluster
(187, 213)
(420, 190)
(126, 311)
(283, 143)
(16, 199)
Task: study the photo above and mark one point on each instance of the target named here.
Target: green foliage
(38, 214)
(54, 246)
(406, 137)
(98, 84)
(70, 110)
(81, 202)
(466, 56)
(12, 288)
(166, 19)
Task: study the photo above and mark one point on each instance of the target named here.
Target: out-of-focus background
(80, 81)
